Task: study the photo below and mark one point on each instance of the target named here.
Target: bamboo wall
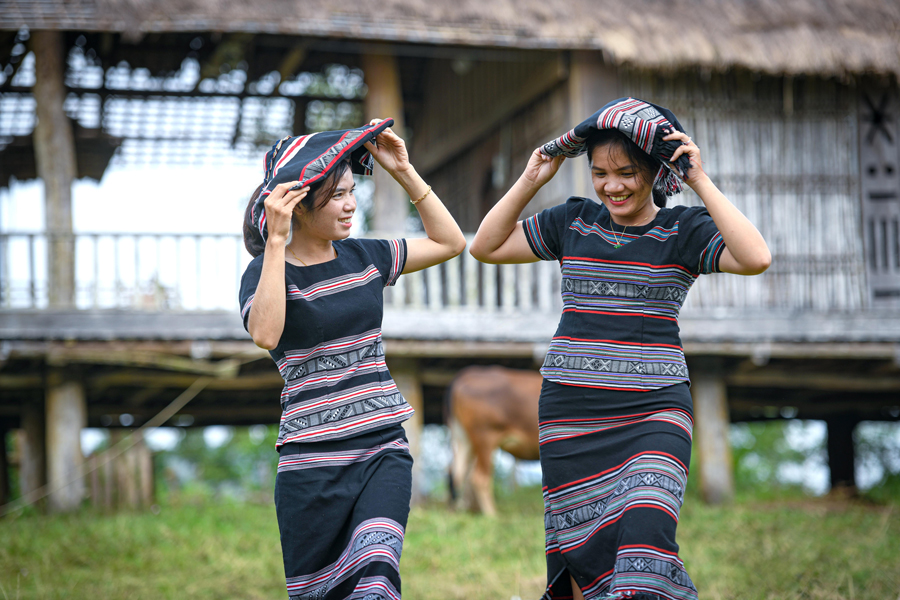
(121, 479)
(785, 152)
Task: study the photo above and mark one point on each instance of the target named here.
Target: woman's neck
(642, 218)
(311, 251)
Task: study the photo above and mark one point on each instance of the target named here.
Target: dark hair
(320, 192)
(647, 166)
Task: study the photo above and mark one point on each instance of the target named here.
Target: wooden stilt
(109, 480)
(711, 442)
(145, 471)
(406, 376)
(54, 148)
(66, 417)
(841, 453)
(4, 469)
(31, 451)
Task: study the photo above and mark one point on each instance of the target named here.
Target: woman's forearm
(501, 220)
(440, 226)
(266, 320)
(742, 240)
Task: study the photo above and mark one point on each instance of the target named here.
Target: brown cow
(490, 407)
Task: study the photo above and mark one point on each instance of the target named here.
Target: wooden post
(145, 470)
(54, 150)
(32, 462)
(384, 99)
(93, 463)
(592, 83)
(711, 428)
(109, 476)
(840, 451)
(406, 376)
(4, 469)
(66, 417)
(130, 492)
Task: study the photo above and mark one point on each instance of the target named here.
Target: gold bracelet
(425, 195)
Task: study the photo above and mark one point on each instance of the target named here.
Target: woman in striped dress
(615, 408)
(312, 296)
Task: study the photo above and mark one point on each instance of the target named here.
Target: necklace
(333, 249)
(618, 243)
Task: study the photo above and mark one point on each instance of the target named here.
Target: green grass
(787, 548)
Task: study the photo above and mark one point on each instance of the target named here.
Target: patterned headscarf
(646, 124)
(307, 159)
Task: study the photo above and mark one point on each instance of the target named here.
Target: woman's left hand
(389, 150)
(695, 174)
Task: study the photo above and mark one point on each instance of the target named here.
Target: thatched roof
(826, 37)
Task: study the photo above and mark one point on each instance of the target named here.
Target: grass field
(788, 548)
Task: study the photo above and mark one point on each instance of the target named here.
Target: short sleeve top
(619, 326)
(331, 354)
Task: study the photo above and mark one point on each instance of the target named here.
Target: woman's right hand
(280, 208)
(541, 168)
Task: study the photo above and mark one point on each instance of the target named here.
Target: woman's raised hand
(541, 168)
(279, 209)
(389, 150)
(695, 174)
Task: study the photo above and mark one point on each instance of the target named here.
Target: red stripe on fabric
(618, 466)
(615, 342)
(669, 552)
(612, 314)
(594, 582)
(608, 523)
(602, 387)
(337, 157)
(287, 151)
(366, 275)
(623, 262)
(353, 425)
(575, 435)
(652, 412)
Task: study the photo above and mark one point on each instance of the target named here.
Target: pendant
(617, 246)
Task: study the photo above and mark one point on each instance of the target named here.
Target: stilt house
(794, 104)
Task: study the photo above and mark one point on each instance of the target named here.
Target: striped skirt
(342, 508)
(615, 466)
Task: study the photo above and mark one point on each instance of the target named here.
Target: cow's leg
(482, 474)
(460, 464)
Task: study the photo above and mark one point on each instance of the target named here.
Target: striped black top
(331, 355)
(619, 326)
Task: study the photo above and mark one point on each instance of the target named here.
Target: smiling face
(621, 186)
(331, 219)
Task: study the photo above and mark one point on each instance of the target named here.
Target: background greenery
(213, 534)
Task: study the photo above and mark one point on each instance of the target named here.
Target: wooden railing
(136, 271)
(189, 272)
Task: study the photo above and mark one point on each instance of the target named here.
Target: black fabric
(342, 509)
(622, 290)
(306, 159)
(645, 123)
(614, 467)
(331, 353)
